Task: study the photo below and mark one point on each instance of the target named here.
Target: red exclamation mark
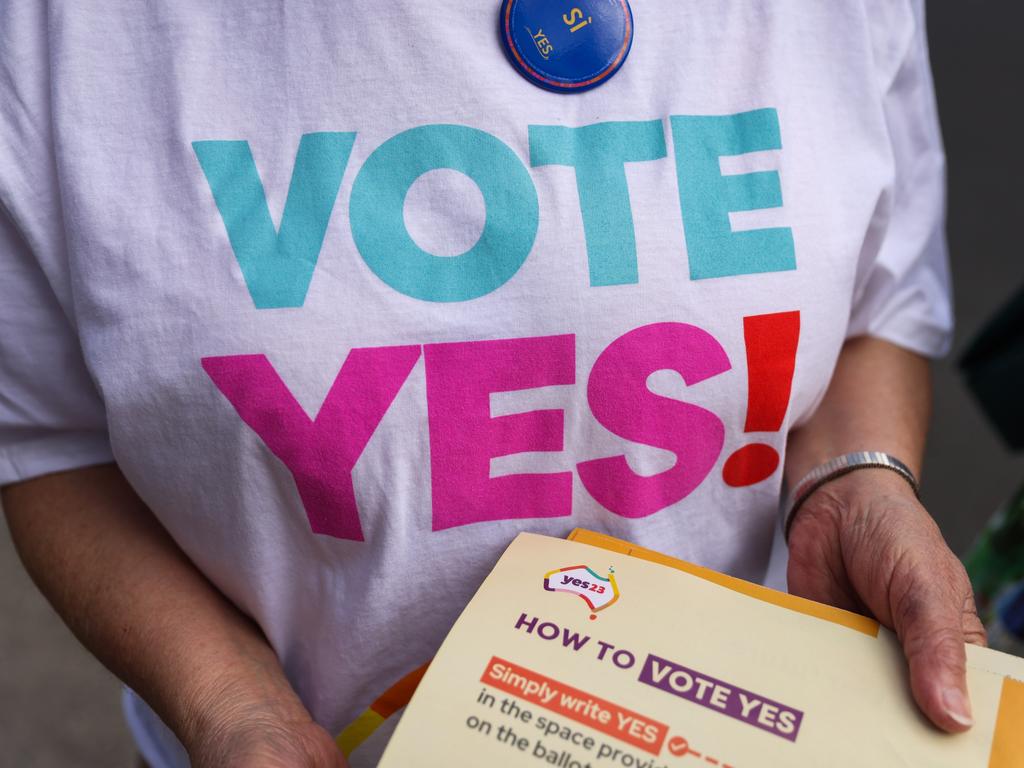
(771, 342)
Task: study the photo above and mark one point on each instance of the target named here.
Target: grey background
(59, 708)
(978, 62)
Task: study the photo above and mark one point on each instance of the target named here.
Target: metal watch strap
(838, 467)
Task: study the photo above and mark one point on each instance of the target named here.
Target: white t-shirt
(351, 302)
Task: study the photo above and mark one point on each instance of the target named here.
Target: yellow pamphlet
(592, 653)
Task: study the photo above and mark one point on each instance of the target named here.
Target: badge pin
(569, 46)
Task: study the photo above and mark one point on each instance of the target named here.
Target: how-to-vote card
(592, 653)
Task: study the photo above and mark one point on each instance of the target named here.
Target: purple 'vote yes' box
(750, 708)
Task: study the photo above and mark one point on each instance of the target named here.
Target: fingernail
(957, 706)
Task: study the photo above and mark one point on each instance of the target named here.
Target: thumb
(929, 623)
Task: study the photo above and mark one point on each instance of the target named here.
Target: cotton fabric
(351, 303)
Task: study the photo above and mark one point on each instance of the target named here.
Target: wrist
(250, 688)
(870, 472)
(847, 491)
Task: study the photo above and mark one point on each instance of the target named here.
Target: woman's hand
(864, 543)
(241, 725)
(261, 742)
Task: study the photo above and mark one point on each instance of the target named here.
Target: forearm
(135, 600)
(879, 400)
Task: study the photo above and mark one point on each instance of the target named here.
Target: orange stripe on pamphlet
(799, 604)
(398, 695)
(593, 711)
(383, 707)
(1008, 741)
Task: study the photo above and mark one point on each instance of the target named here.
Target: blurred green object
(996, 562)
(994, 368)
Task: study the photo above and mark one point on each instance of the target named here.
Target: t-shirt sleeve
(903, 291)
(51, 417)
(51, 414)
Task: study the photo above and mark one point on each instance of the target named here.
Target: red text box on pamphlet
(600, 714)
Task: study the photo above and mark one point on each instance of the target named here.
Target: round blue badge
(568, 46)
